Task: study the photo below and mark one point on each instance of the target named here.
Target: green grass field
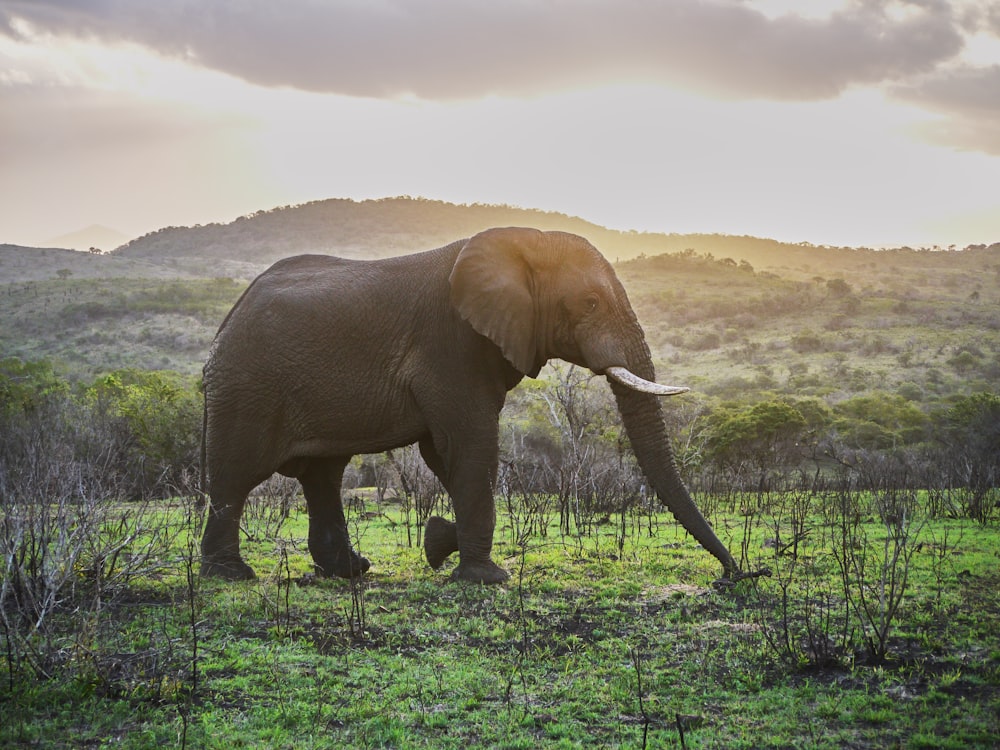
(616, 638)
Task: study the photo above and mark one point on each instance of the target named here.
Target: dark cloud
(968, 98)
(974, 92)
(982, 17)
(448, 49)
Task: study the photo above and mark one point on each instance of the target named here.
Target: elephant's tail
(203, 468)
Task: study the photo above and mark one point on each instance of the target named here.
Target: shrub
(705, 341)
(763, 436)
(964, 362)
(157, 418)
(879, 420)
(26, 386)
(838, 288)
(970, 433)
(807, 342)
(146, 426)
(67, 541)
(563, 437)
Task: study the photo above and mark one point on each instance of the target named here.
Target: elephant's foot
(232, 569)
(480, 572)
(349, 565)
(731, 578)
(440, 540)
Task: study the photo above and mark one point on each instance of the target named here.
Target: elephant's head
(542, 295)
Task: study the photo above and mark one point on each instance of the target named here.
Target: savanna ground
(878, 628)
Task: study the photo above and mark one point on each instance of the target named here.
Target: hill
(395, 226)
(899, 326)
(723, 314)
(365, 229)
(20, 265)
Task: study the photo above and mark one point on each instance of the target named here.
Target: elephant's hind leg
(220, 543)
(329, 542)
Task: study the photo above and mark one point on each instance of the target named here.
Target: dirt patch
(671, 591)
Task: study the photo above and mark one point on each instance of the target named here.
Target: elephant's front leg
(329, 541)
(466, 463)
(471, 489)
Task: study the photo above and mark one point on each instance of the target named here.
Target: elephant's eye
(590, 303)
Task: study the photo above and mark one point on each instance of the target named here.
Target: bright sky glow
(111, 114)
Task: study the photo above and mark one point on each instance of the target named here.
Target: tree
(25, 386)
(879, 420)
(763, 436)
(970, 432)
(838, 288)
(976, 418)
(158, 417)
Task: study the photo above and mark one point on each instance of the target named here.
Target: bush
(143, 427)
(156, 418)
(964, 362)
(26, 386)
(878, 421)
(706, 341)
(563, 437)
(970, 433)
(67, 541)
(838, 288)
(807, 342)
(763, 436)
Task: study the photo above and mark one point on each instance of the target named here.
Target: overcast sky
(857, 122)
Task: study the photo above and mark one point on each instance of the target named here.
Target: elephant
(323, 358)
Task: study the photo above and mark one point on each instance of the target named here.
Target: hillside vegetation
(895, 323)
(722, 313)
(395, 226)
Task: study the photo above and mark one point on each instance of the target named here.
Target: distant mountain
(395, 226)
(94, 236)
(380, 228)
(358, 229)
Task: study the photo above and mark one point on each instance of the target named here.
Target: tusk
(628, 378)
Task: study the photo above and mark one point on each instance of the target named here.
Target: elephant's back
(306, 305)
(332, 283)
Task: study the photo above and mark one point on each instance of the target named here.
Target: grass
(610, 640)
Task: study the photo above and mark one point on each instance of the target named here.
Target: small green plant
(875, 562)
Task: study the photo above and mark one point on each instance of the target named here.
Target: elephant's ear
(491, 287)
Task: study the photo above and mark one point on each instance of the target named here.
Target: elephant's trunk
(642, 416)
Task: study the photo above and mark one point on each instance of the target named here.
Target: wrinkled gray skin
(324, 358)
